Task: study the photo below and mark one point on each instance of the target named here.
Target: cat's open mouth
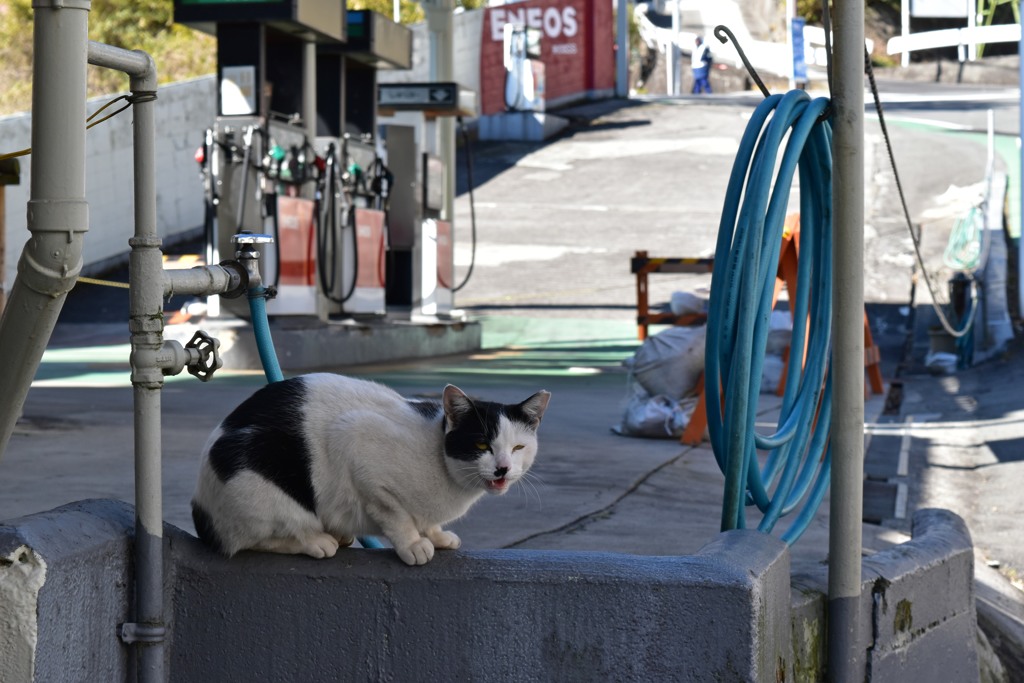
(497, 485)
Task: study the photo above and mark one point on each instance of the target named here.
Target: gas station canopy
(323, 21)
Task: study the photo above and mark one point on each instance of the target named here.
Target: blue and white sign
(799, 65)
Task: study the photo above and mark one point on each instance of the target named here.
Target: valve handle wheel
(209, 360)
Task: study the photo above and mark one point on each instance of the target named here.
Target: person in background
(700, 63)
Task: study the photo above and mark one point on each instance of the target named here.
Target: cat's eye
(518, 447)
(481, 446)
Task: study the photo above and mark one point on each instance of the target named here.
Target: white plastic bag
(654, 416)
(670, 363)
(682, 303)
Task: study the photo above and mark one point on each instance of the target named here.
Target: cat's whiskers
(528, 479)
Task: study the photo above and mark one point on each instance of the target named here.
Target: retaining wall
(724, 613)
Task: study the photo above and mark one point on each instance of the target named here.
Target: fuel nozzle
(247, 254)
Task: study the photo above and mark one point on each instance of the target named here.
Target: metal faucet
(249, 256)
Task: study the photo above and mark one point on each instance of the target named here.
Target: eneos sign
(577, 49)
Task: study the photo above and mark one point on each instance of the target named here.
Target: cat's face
(490, 445)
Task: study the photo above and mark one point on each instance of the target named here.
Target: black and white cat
(308, 463)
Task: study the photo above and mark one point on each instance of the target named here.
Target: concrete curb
(917, 615)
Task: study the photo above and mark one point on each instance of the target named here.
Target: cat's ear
(535, 406)
(456, 405)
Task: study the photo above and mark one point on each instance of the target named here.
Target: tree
(180, 53)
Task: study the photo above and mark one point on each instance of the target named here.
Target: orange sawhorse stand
(786, 277)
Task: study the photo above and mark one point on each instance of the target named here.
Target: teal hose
(268, 357)
(261, 328)
(796, 469)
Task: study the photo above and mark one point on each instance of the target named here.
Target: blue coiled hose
(746, 262)
(268, 357)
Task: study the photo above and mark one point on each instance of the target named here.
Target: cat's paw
(320, 546)
(419, 551)
(444, 539)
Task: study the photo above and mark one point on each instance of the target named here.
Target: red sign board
(577, 48)
(370, 245)
(295, 240)
(445, 267)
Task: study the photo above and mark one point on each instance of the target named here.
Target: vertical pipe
(846, 656)
(309, 87)
(146, 324)
(622, 49)
(441, 24)
(58, 215)
(145, 304)
(446, 125)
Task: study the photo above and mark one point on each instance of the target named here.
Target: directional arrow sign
(417, 95)
(441, 95)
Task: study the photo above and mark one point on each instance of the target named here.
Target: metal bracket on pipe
(141, 633)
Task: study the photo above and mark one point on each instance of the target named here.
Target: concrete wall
(722, 614)
(183, 112)
(502, 615)
(725, 613)
(66, 586)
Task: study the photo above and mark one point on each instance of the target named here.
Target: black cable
(915, 237)
(472, 203)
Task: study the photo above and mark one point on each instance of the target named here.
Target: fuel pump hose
(468, 153)
(798, 461)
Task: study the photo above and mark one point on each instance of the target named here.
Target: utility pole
(846, 661)
(441, 28)
(622, 50)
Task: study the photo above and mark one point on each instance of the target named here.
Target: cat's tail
(204, 528)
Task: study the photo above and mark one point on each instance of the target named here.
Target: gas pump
(278, 159)
(351, 244)
(524, 71)
(420, 262)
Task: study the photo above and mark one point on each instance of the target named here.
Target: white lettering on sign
(564, 49)
(555, 23)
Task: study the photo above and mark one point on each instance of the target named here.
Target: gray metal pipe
(846, 658)
(203, 280)
(58, 215)
(146, 322)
